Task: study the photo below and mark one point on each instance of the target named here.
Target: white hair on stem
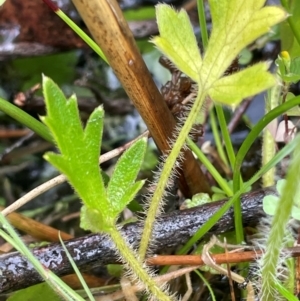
(259, 240)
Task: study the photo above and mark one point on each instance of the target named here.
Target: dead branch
(170, 230)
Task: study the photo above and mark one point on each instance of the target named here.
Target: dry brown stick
(245, 256)
(238, 113)
(238, 257)
(13, 133)
(108, 27)
(35, 229)
(170, 230)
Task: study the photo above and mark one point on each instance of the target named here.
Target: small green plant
(79, 162)
(236, 24)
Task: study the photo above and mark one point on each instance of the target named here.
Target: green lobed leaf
(236, 24)
(177, 40)
(62, 118)
(233, 88)
(197, 200)
(122, 188)
(79, 149)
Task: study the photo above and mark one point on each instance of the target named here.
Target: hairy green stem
(166, 174)
(278, 228)
(135, 265)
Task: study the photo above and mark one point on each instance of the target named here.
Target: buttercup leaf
(177, 40)
(79, 149)
(79, 160)
(236, 24)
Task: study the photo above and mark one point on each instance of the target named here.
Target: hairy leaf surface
(177, 40)
(79, 149)
(79, 160)
(121, 188)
